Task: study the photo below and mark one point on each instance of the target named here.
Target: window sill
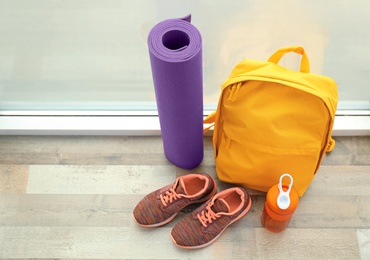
(139, 124)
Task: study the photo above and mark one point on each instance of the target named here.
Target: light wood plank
(139, 243)
(93, 243)
(315, 211)
(349, 150)
(67, 210)
(68, 150)
(341, 180)
(87, 179)
(13, 178)
(296, 243)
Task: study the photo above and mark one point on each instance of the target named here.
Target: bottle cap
(282, 198)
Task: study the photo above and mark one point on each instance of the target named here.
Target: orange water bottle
(281, 201)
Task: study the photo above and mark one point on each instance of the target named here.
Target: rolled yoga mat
(175, 49)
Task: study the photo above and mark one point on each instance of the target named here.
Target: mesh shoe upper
(161, 206)
(203, 226)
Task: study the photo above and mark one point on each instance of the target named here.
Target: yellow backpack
(271, 120)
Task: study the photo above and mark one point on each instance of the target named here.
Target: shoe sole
(213, 192)
(242, 214)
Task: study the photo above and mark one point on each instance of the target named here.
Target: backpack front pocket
(260, 167)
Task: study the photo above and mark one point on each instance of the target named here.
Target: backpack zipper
(234, 91)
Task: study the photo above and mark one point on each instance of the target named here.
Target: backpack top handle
(305, 64)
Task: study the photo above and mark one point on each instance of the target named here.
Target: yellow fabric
(271, 120)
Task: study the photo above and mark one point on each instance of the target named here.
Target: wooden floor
(72, 197)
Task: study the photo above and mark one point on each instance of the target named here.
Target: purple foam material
(175, 50)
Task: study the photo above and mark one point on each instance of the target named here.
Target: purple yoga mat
(175, 49)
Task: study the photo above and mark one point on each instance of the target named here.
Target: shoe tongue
(220, 205)
(180, 189)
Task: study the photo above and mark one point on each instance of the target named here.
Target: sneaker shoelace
(169, 196)
(207, 216)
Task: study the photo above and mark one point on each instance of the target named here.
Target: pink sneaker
(161, 206)
(202, 227)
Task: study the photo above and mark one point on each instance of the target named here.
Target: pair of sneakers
(205, 224)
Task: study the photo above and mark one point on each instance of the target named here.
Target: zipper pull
(234, 91)
(238, 85)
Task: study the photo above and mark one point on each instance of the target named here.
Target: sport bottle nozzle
(283, 200)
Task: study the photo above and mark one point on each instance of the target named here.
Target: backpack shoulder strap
(210, 121)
